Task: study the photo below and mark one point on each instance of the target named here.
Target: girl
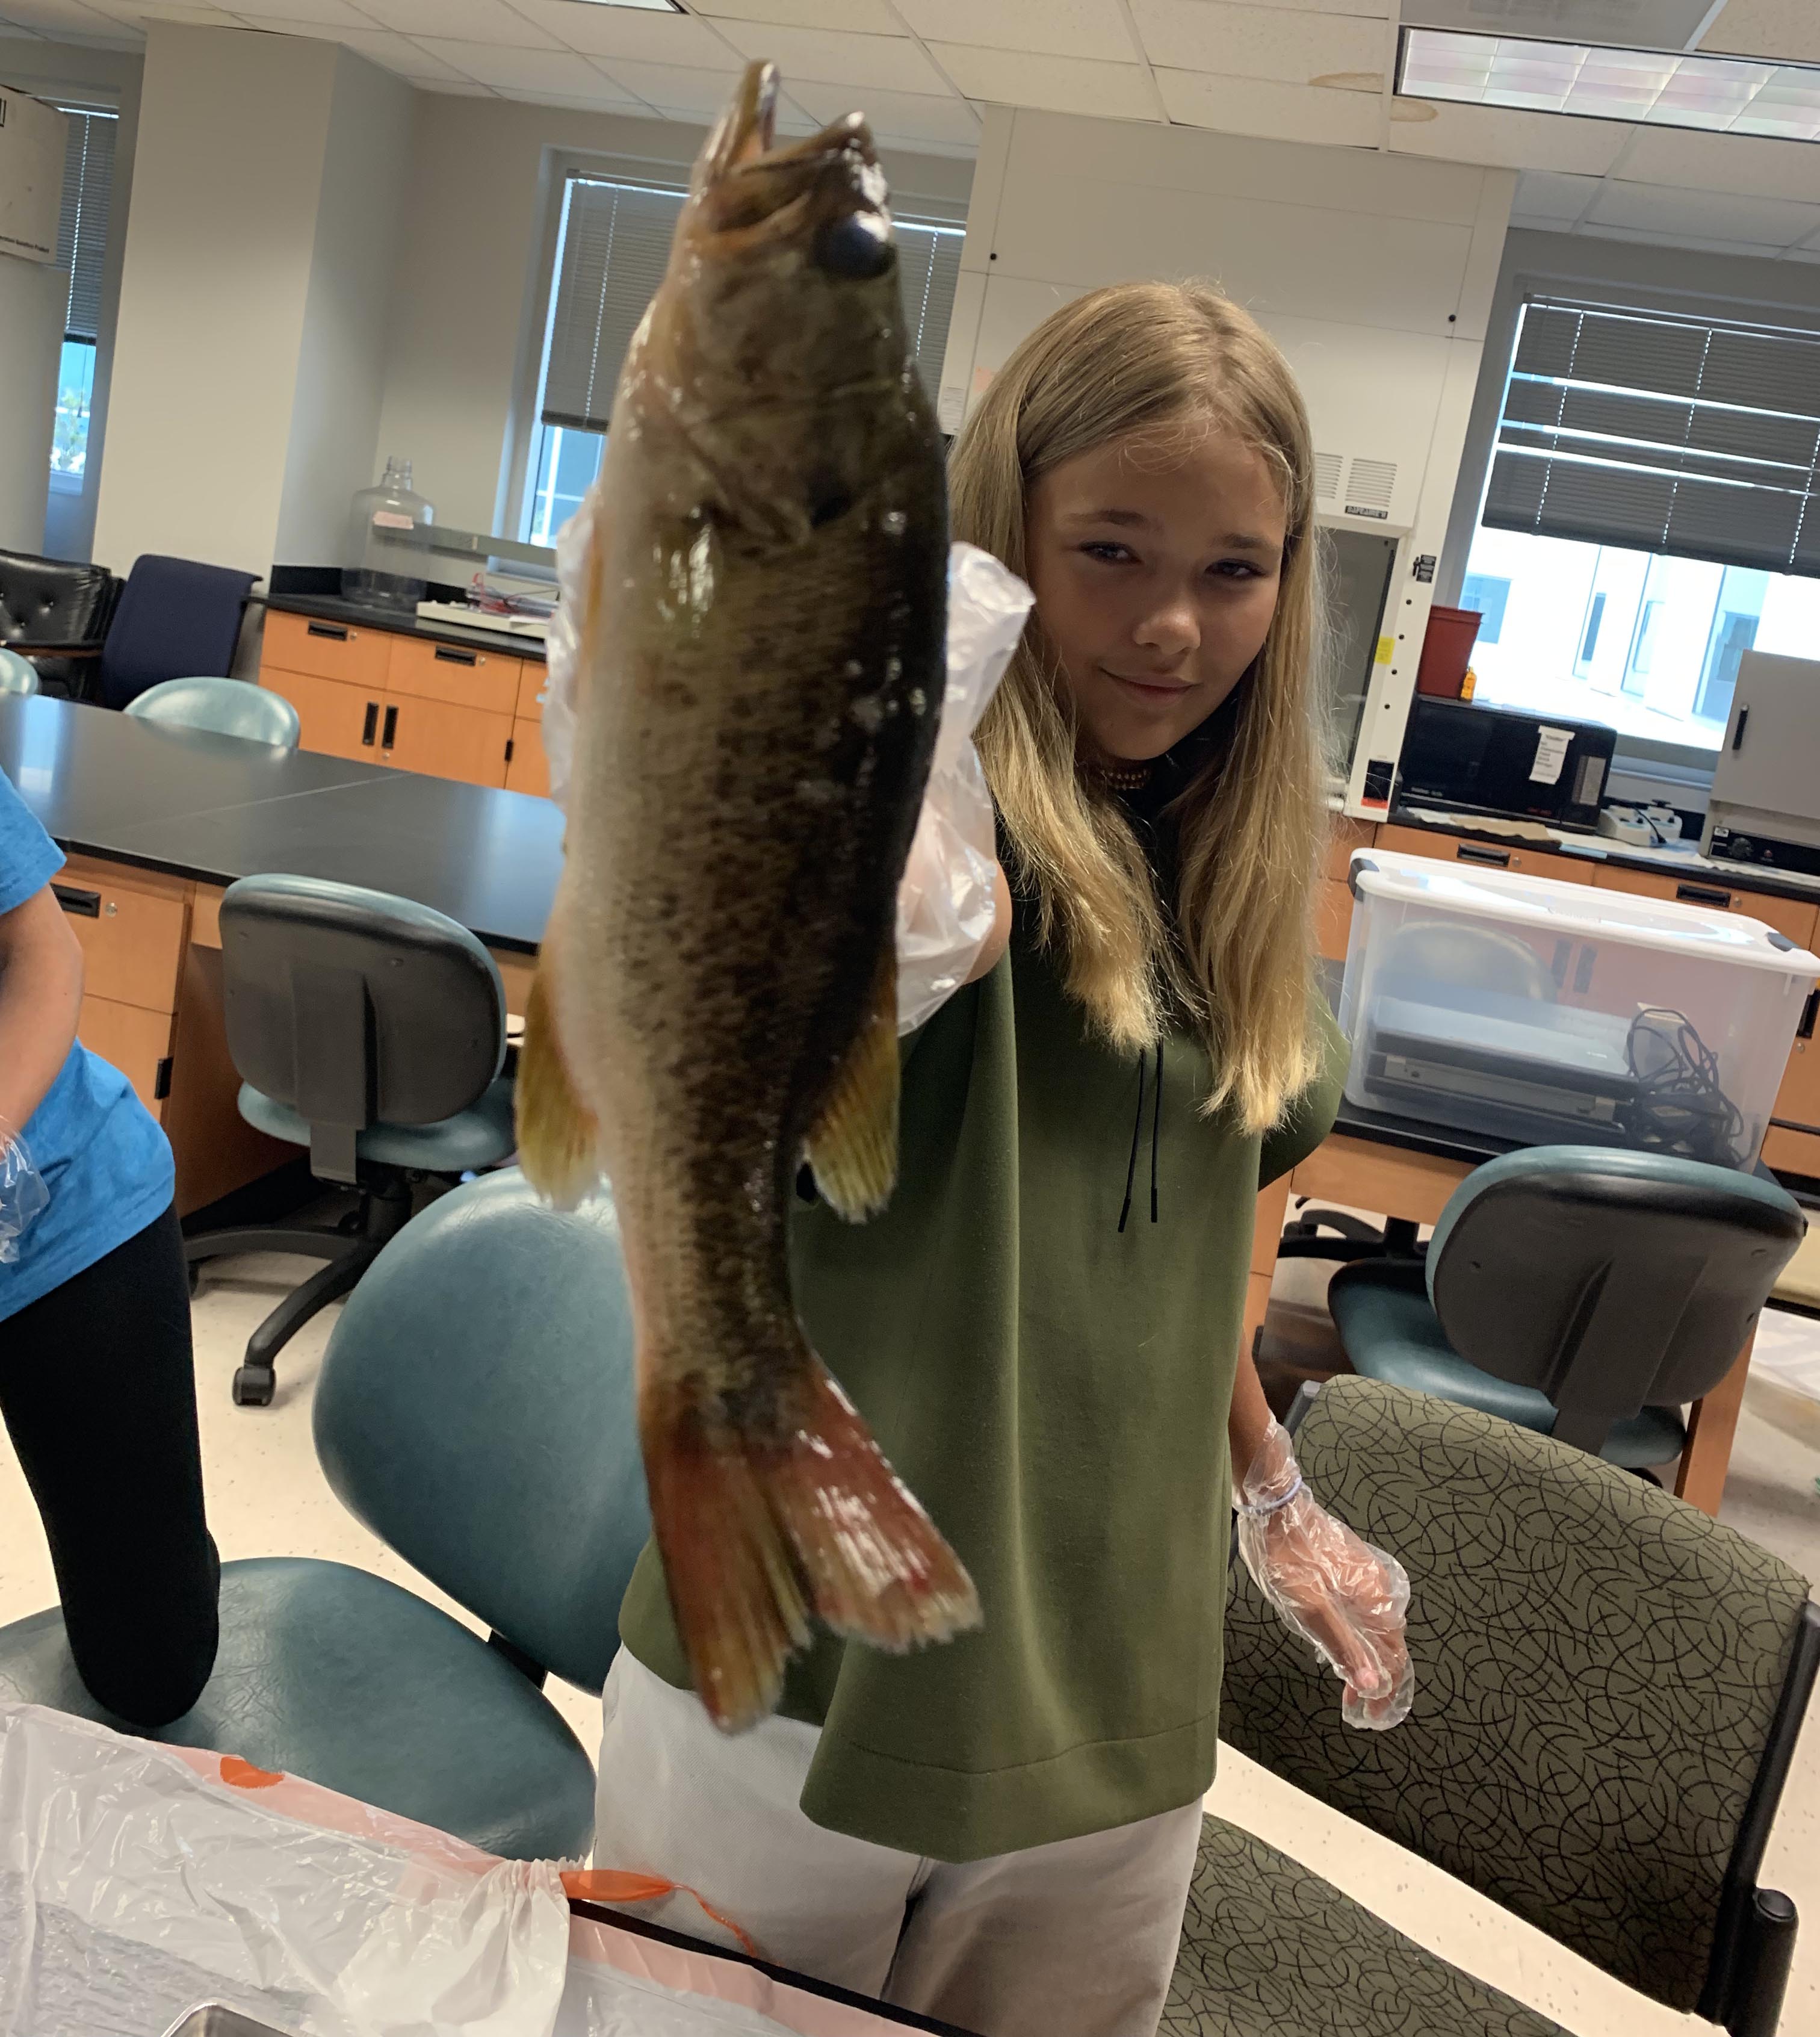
(96, 1383)
(1044, 1327)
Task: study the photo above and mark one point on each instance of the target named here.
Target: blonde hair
(1157, 359)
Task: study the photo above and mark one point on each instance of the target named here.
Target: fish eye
(857, 246)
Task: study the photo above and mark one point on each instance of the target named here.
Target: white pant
(1077, 1936)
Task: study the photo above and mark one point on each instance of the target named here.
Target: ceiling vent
(1637, 24)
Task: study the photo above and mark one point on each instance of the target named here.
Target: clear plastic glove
(23, 1194)
(1333, 1589)
(945, 901)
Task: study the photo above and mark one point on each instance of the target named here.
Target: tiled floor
(267, 1496)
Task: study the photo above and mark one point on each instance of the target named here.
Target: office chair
(176, 618)
(225, 707)
(17, 675)
(475, 1411)
(371, 1031)
(1578, 1291)
(56, 612)
(1609, 1687)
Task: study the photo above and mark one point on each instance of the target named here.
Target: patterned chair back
(1597, 1668)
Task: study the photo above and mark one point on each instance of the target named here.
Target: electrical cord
(1679, 1106)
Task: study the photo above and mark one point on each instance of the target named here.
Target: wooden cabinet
(132, 925)
(441, 740)
(1794, 917)
(136, 1042)
(1798, 1100)
(1333, 917)
(1516, 856)
(445, 710)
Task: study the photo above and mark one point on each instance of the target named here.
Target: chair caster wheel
(254, 1386)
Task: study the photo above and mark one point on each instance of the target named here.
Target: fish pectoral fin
(853, 1145)
(558, 1135)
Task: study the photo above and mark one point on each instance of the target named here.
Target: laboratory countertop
(404, 622)
(216, 808)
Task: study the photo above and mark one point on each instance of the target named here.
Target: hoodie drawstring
(1137, 1134)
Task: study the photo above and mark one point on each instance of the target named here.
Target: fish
(758, 681)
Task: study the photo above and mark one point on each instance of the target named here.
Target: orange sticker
(243, 1775)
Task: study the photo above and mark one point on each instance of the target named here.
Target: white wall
(341, 368)
(466, 330)
(1374, 272)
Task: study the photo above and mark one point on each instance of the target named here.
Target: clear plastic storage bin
(1545, 1013)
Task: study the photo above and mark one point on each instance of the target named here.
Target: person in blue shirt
(97, 1384)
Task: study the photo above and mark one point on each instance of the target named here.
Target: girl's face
(1155, 584)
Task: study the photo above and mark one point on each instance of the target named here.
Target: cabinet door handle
(446, 656)
(370, 724)
(391, 730)
(1703, 894)
(1809, 1012)
(1738, 733)
(508, 750)
(85, 905)
(1471, 852)
(337, 632)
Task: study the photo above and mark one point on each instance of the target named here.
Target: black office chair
(56, 612)
(372, 1031)
(1579, 1291)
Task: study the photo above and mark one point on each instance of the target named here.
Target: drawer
(1798, 1100)
(454, 673)
(440, 741)
(1792, 916)
(1333, 917)
(1347, 835)
(205, 917)
(1490, 855)
(131, 925)
(527, 770)
(349, 652)
(333, 720)
(532, 674)
(1791, 1152)
(136, 1042)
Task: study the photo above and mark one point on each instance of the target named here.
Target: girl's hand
(1333, 1590)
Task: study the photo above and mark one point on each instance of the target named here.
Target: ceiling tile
(684, 92)
(1223, 40)
(1789, 29)
(323, 13)
(463, 21)
(1058, 28)
(1506, 137)
(873, 17)
(626, 32)
(1548, 194)
(138, 14)
(1682, 241)
(459, 88)
(560, 72)
(914, 115)
(1262, 107)
(1056, 84)
(830, 56)
(1768, 222)
(393, 53)
(1743, 164)
(57, 17)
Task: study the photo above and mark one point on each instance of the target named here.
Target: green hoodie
(1054, 1390)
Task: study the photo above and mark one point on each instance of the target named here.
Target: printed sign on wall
(31, 143)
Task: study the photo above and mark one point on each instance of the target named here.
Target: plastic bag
(23, 1194)
(945, 903)
(1336, 1591)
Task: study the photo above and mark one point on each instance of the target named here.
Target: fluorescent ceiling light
(645, 6)
(1727, 94)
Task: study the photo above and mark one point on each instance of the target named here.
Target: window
(1653, 510)
(82, 249)
(1488, 595)
(613, 242)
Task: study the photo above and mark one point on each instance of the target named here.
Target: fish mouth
(828, 186)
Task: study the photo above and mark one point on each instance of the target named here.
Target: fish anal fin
(755, 1535)
(853, 1145)
(558, 1135)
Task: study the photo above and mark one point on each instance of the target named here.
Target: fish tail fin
(558, 1135)
(756, 1534)
(853, 1145)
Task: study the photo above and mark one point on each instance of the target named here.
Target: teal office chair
(475, 1410)
(226, 707)
(371, 1031)
(1580, 1292)
(18, 675)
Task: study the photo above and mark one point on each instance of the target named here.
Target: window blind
(1691, 437)
(610, 256)
(82, 224)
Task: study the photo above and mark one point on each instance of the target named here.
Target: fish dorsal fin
(853, 1145)
(558, 1135)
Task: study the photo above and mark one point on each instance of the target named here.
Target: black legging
(98, 1389)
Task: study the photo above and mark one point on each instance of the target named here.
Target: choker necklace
(1123, 777)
